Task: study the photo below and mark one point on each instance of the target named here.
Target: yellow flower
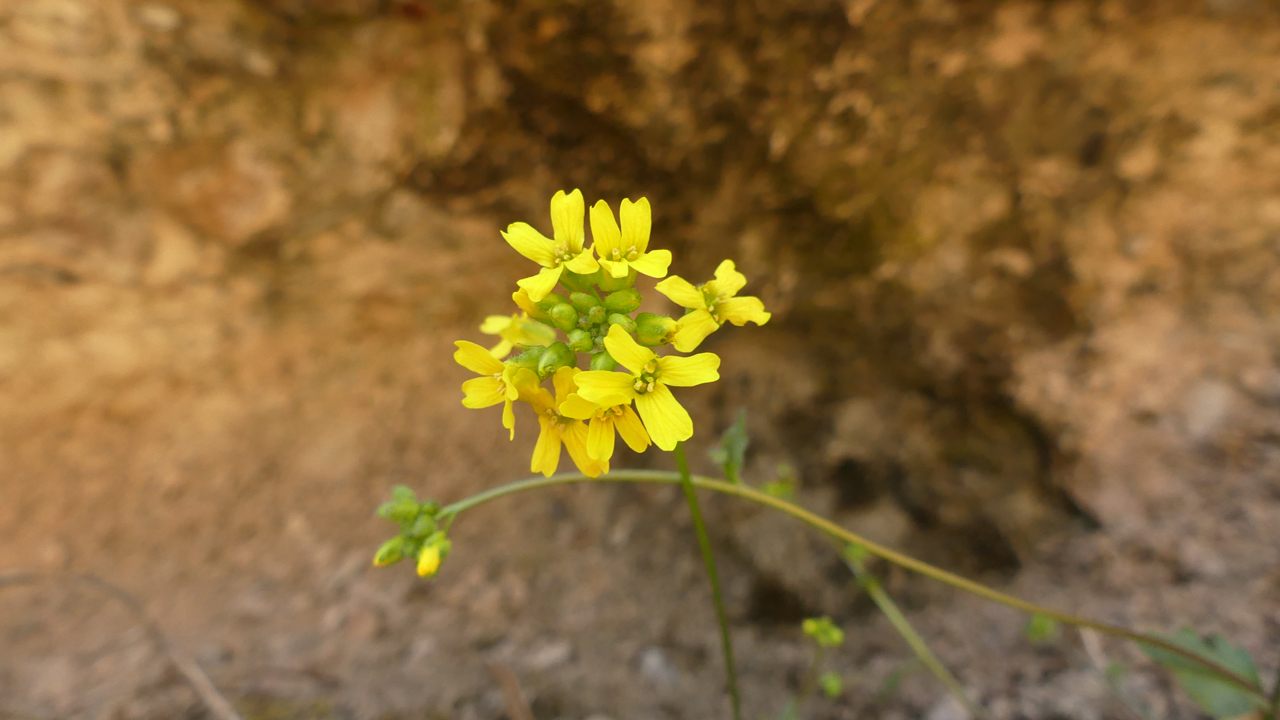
(649, 383)
(614, 414)
(565, 251)
(429, 561)
(499, 382)
(557, 428)
(712, 304)
(620, 251)
(516, 330)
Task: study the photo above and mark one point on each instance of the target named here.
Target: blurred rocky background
(1024, 265)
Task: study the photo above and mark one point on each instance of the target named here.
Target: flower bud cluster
(421, 536)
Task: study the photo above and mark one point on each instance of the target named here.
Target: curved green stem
(709, 560)
(749, 493)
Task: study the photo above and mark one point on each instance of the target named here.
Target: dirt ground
(1024, 265)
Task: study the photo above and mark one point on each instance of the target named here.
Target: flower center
(647, 380)
(562, 252)
(712, 300)
(632, 253)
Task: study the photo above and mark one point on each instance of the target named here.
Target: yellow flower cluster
(598, 317)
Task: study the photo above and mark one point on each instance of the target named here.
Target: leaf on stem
(1215, 695)
(731, 452)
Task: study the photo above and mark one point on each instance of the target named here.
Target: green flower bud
(558, 355)
(609, 284)
(423, 526)
(582, 302)
(391, 552)
(619, 319)
(603, 361)
(580, 340)
(579, 283)
(823, 631)
(623, 301)
(550, 301)
(529, 358)
(653, 330)
(564, 317)
(401, 511)
(596, 315)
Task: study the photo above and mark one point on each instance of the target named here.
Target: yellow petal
(604, 230)
(584, 263)
(623, 348)
(509, 419)
(546, 454)
(517, 380)
(636, 221)
(688, 371)
(544, 282)
(741, 310)
(563, 382)
(501, 350)
(728, 280)
(654, 264)
(575, 441)
(578, 407)
(600, 385)
(616, 268)
(525, 303)
(600, 439)
(632, 430)
(666, 419)
(495, 324)
(528, 333)
(482, 392)
(566, 218)
(681, 292)
(530, 243)
(538, 398)
(476, 359)
(692, 329)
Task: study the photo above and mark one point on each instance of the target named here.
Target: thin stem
(810, 684)
(1275, 698)
(709, 560)
(749, 493)
(899, 621)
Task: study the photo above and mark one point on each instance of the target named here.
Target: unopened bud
(582, 302)
(550, 301)
(429, 561)
(596, 315)
(580, 283)
(653, 330)
(623, 301)
(391, 552)
(603, 361)
(609, 283)
(564, 317)
(580, 340)
(627, 323)
(558, 355)
(529, 358)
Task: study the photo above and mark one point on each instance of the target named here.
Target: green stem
(816, 521)
(899, 621)
(709, 560)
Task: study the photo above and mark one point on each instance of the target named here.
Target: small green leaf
(831, 685)
(1214, 694)
(731, 452)
(1041, 628)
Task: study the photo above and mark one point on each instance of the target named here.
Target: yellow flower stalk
(499, 382)
(649, 384)
(711, 305)
(515, 330)
(565, 250)
(605, 419)
(622, 250)
(559, 428)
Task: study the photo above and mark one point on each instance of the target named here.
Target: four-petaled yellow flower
(558, 427)
(649, 383)
(712, 304)
(554, 255)
(620, 251)
(516, 330)
(499, 382)
(605, 418)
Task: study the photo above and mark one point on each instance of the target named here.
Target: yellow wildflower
(557, 428)
(429, 561)
(712, 304)
(554, 255)
(614, 414)
(516, 330)
(620, 251)
(649, 383)
(499, 382)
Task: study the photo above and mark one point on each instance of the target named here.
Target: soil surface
(1023, 261)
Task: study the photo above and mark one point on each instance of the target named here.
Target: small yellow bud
(429, 561)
